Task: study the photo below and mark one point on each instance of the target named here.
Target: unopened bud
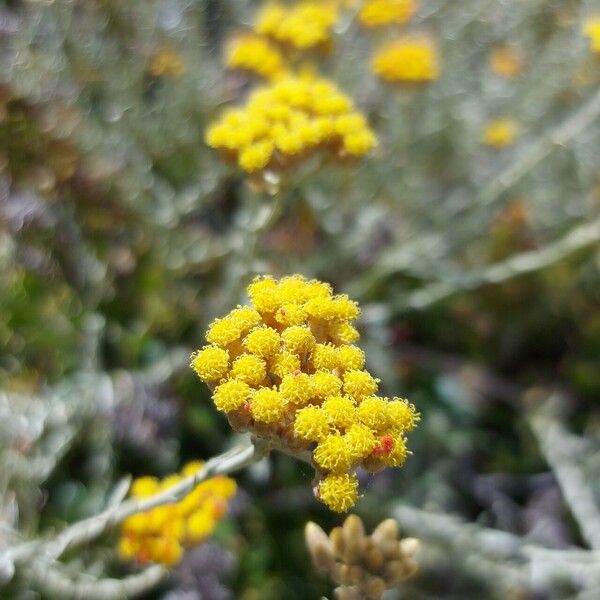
(410, 546)
(337, 539)
(386, 530)
(319, 546)
(354, 533)
(373, 560)
(374, 588)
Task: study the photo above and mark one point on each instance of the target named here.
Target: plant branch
(554, 442)
(57, 584)
(578, 238)
(92, 527)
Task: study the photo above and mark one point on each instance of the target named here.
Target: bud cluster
(362, 566)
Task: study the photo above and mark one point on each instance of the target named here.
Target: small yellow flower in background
(256, 54)
(303, 26)
(167, 62)
(506, 61)
(163, 533)
(412, 59)
(286, 369)
(591, 30)
(285, 122)
(500, 133)
(375, 13)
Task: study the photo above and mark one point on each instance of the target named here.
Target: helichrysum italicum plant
(301, 26)
(410, 60)
(161, 534)
(289, 120)
(500, 133)
(363, 566)
(375, 13)
(287, 369)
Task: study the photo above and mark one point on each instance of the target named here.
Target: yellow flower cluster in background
(283, 123)
(412, 59)
(500, 133)
(161, 534)
(256, 54)
(167, 62)
(303, 26)
(591, 30)
(506, 61)
(287, 369)
(375, 13)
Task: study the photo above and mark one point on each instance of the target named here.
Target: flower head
(255, 54)
(500, 133)
(506, 61)
(299, 383)
(163, 533)
(412, 59)
(281, 125)
(375, 13)
(304, 26)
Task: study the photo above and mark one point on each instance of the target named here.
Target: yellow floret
(339, 492)
(325, 384)
(256, 156)
(210, 363)
(398, 454)
(298, 339)
(311, 424)
(296, 388)
(268, 405)
(401, 414)
(223, 332)
(411, 59)
(128, 548)
(250, 369)
(361, 440)
(359, 384)
(343, 332)
(500, 133)
(262, 341)
(290, 314)
(333, 454)
(341, 411)
(360, 142)
(374, 13)
(192, 468)
(324, 357)
(284, 363)
(372, 413)
(350, 358)
(200, 525)
(263, 293)
(231, 395)
(245, 318)
(144, 487)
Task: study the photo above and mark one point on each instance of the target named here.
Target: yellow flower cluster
(375, 13)
(256, 54)
(287, 369)
(304, 26)
(162, 533)
(412, 59)
(591, 30)
(281, 124)
(500, 133)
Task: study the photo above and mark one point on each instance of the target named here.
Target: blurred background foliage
(122, 236)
